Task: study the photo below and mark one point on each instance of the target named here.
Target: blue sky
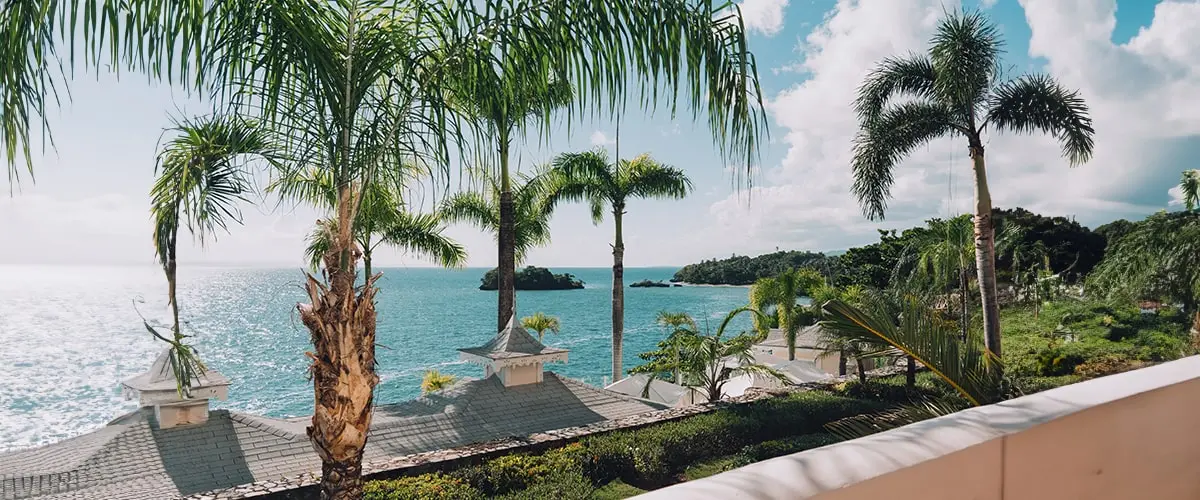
(1135, 61)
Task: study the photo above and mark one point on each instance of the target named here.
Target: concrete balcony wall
(1133, 435)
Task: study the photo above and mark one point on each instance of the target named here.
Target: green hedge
(647, 455)
(780, 447)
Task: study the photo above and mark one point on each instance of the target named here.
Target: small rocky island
(650, 284)
(534, 278)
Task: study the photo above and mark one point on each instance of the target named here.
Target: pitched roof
(808, 337)
(512, 342)
(161, 377)
(133, 459)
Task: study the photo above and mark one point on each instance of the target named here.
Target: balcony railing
(1129, 436)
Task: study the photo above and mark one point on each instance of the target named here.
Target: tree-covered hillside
(744, 270)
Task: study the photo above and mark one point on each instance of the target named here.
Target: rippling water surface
(69, 335)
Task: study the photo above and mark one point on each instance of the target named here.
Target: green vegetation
(541, 323)
(779, 294)
(434, 381)
(743, 270)
(589, 177)
(534, 278)
(628, 462)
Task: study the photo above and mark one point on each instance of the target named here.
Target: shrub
(515, 472)
(435, 486)
(1105, 365)
(563, 485)
(780, 447)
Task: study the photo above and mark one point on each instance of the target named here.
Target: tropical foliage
(707, 362)
(1189, 187)
(534, 278)
(956, 90)
(744, 270)
(541, 323)
(531, 213)
(591, 178)
(434, 381)
(200, 183)
(779, 295)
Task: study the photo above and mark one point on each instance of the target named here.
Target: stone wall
(304, 486)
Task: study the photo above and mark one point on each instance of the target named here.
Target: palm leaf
(864, 425)
(1038, 103)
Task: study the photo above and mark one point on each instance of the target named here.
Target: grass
(616, 490)
(711, 467)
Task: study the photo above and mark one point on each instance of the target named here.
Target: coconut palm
(541, 323)
(1189, 185)
(381, 219)
(355, 86)
(590, 177)
(708, 362)
(200, 182)
(531, 215)
(781, 293)
(944, 257)
(502, 110)
(679, 326)
(957, 91)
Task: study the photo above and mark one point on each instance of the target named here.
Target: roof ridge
(606, 392)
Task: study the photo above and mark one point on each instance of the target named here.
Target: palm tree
(381, 219)
(781, 293)
(968, 367)
(540, 323)
(944, 257)
(531, 215)
(1189, 184)
(957, 91)
(592, 178)
(354, 86)
(680, 325)
(708, 362)
(501, 115)
(198, 186)
(434, 381)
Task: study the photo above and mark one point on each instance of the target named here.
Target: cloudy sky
(1136, 63)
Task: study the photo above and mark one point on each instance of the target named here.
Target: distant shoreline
(709, 285)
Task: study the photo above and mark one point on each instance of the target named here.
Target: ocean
(71, 334)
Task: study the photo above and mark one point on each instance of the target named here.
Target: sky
(1135, 62)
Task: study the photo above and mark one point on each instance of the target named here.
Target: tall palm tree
(541, 323)
(501, 110)
(781, 293)
(531, 215)
(355, 85)
(199, 184)
(957, 91)
(1189, 184)
(590, 177)
(381, 219)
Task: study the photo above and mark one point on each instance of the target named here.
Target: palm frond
(471, 208)
(643, 177)
(422, 234)
(864, 425)
(965, 52)
(966, 366)
(884, 141)
(1039, 103)
(895, 77)
(1189, 185)
(319, 241)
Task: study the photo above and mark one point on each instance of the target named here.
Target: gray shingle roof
(132, 459)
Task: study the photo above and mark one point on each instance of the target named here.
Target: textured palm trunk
(341, 321)
(787, 322)
(862, 370)
(618, 293)
(985, 251)
(506, 287)
(910, 374)
(841, 363)
(964, 318)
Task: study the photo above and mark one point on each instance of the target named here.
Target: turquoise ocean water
(69, 335)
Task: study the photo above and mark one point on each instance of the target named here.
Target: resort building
(173, 446)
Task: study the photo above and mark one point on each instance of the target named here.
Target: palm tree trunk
(506, 273)
(367, 262)
(841, 363)
(618, 292)
(862, 370)
(964, 318)
(985, 251)
(786, 321)
(910, 374)
(341, 321)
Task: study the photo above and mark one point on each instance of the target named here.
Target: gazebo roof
(513, 345)
(160, 377)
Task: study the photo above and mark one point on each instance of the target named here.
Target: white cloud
(763, 16)
(1141, 95)
(987, 4)
(599, 138)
